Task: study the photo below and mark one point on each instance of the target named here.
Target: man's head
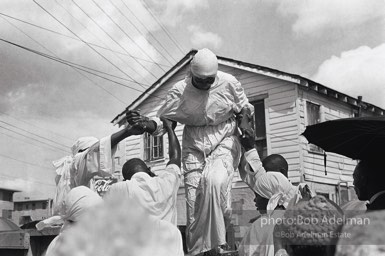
(133, 166)
(276, 163)
(204, 68)
(368, 178)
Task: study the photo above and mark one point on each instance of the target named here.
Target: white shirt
(157, 195)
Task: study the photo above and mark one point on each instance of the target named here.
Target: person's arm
(174, 150)
(135, 129)
(134, 117)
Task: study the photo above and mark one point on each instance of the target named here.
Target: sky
(67, 68)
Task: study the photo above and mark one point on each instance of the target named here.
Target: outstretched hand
(134, 117)
(248, 139)
(167, 123)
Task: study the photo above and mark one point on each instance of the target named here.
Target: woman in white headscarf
(207, 102)
(90, 157)
(273, 187)
(78, 201)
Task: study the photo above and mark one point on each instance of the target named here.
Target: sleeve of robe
(240, 99)
(169, 109)
(96, 160)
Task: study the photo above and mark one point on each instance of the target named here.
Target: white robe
(210, 153)
(259, 239)
(157, 195)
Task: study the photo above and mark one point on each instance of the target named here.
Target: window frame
(148, 148)
(260, 99)
(311, 147)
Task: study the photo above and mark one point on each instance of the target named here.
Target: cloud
(356, 72)
(172, 11)
(201, 39)
(314, 16)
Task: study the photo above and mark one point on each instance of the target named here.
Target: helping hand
(248, 139)
(134, 118)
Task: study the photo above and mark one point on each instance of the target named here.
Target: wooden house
(284, 105)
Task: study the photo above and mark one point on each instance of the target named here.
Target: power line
(24, 140)
(62, 136)
(162, 27)
(71, 67)
(37, 135)
(128, 65)
(31, 138)
(142, 33)
(66, 63)
(77, 39)
(101, 55)
(25, 162)
(121, 29)
(148, 30)
(116, 42)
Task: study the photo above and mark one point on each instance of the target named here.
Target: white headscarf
(277, 188)
(78, 200)
(204, 64)
(83, 143)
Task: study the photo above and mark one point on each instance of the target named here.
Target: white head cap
(83, 143)
(204, 64)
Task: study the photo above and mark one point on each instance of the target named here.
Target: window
(44, 205)
(153, 147)
(313, 114)
(27, 206)
(33, 206)
(260, 127)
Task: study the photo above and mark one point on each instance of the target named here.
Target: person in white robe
(77, 202)
(114, 229)
(207, 102)
(90, 157)
(274, 193)
(156, 194)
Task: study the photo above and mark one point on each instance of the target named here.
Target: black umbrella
(357, 138)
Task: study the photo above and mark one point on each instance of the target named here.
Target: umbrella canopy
(357, 138)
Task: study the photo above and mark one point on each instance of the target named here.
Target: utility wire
(77, 39)
(101, 55)
(31, 138)
(62, 136)
(120, 58)
(71, 66)
(37, 135)
(65, 63)
(25, 162)
(40, 146)
(148, 30)
(140, 32)
(124, 32)
(162, 27)
(116, 42)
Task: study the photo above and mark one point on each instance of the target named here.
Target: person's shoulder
(180, 85)
(227, 77)
(173, 168)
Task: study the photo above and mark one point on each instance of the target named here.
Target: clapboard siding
(338, 167)
(281, 116)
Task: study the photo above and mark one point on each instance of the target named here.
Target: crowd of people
(138, 216)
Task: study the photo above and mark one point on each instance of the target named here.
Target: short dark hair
(276, 163)
(135, 165)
